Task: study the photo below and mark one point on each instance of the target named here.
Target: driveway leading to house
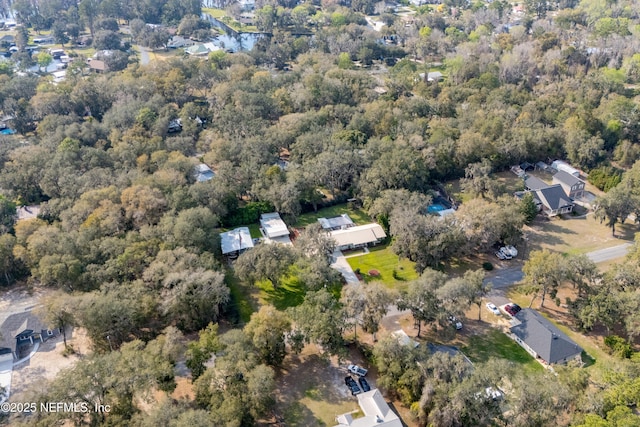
(144, 55)
(339, 262)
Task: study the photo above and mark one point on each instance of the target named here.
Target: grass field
(216, 13)
(239, 297)
(383, 259)
(357, 215)
(496, 344)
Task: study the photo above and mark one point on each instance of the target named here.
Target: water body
(233, 40)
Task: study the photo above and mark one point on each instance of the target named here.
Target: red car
(512, 309)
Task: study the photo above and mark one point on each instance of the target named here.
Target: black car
(353, 385)
(364, 384)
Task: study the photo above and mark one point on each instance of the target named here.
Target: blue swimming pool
(7, 131)
(437, 207)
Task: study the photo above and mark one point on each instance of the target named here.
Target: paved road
(505, 277)
(609, 254)
(144, 55)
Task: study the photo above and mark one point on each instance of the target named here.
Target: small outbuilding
(236, 241)
(203, 173)
(560, 165)
(272, 226)
(340, 222)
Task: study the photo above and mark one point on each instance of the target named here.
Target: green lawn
(357, 215)
(496, 344)
(289, 293)
(216, 13)
(383, 259)
(240, 300)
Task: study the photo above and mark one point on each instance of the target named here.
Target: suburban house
(97, 65)
(247, 5)
(336, 223)
(573, 187)
(554, 200)
(43, 40)
(21, 331)
(548, 344)
(274, 229)
(358, 236)
(179, 41)
(376, 412)
(234, 242)
(551, 199)
(201, 49)
(203, 173)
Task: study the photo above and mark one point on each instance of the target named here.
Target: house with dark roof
(21, 331)
(572, 186)
(532, 183)
(544, 341)
(554, 200)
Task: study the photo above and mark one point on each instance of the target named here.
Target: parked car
(500, 255)
(357, 370)
(512, 309)
(512, 250)
(506, 253)
(455, 322)
(353, 385)
(492, 308)
(364, 384)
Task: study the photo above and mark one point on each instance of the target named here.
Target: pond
(232, 40)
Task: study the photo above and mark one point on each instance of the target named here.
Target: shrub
(618, 346)
(605, 177)
(487, 266)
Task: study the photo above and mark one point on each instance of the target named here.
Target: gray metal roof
(566, 178)
(549, 342)
(533, 183)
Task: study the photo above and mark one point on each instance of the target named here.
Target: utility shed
(273, 226)
(336, 223)
(236, 241)
(559, 165)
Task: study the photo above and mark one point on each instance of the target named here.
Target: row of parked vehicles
(507, 252)
(361, 385)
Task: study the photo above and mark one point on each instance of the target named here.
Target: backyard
(393, 272)
(494, 343)
(358, 216)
